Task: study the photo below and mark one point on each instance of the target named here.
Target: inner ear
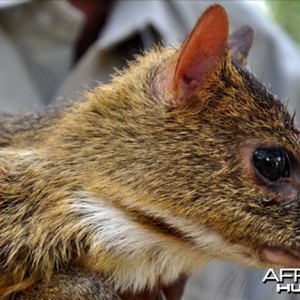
(201, 52)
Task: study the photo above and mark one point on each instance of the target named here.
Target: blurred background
(286, 13)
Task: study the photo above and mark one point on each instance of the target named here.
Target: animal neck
(131, 254)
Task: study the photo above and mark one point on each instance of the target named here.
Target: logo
(283, 275)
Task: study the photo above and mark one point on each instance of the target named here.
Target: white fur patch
(17, 153)
(147, 256)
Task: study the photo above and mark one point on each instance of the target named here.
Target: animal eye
(273, 164)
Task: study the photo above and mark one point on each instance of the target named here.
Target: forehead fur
(230, 78)
(233, 101)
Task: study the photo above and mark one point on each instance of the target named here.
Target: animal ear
(198, 59)
(240, 43)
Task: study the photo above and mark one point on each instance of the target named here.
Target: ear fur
(240, 43)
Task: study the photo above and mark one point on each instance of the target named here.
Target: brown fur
(61, 286)
(148, 161)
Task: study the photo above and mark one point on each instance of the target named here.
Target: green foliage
(287, 13)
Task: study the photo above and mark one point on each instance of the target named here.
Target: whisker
(225, 281)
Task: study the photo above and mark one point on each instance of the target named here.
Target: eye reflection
(272, 163)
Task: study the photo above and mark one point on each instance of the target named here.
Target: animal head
(191, 144)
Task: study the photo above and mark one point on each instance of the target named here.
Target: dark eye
(272, 164)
